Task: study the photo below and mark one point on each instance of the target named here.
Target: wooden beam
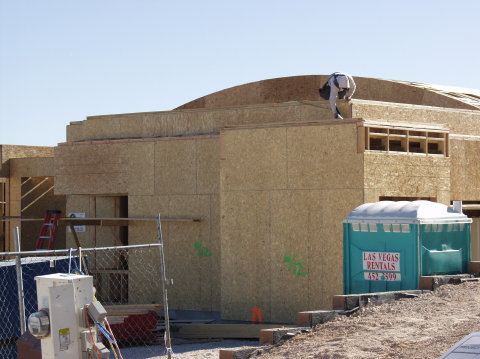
(240, 331)
(100, 221)
(243, 353)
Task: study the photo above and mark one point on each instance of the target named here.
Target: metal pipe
(163, 277)
(66, 251)
(21, 297)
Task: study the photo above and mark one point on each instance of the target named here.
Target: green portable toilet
(389, 245)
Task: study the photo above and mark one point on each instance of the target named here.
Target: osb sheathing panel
(268, 91)
(175, 167)
(305, 88)
(246, 256)
(194, 122)
(13, 151)
(457, 121)
(32, 167)
(282, 251)
(402, 175)
(75, 131)
(254, 159)
(208, 165)
(91, 168)
(282, 247)
(192, 249)
(319, 155)
(193, 257)
(465, 170)
(107, 207)
(140, 168)
(80, 204)
(146, 232)
(431, 98)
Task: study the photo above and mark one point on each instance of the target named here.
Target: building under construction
(262, 177)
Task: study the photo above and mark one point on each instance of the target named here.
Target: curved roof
(293, 88)
(405, 212)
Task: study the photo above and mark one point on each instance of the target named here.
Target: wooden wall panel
(402, 175)
(465, 171)
(208, 165)
(175, 167)
(463, 122)
(201, 122)
(290, 247)
(192, 249)
(14, 151)
(140, 168)
(319, 155)
(191, 259)
(256, 159)
(75, 131)
(146, 232)
(245, 254)
(91, 168)
(32, 167)
(291, 231)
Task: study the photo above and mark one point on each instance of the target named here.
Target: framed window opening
(406, 140)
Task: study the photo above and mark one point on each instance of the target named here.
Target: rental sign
(383, 263)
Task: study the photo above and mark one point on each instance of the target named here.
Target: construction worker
(341, 85)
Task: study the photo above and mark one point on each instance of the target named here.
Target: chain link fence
(126, 281)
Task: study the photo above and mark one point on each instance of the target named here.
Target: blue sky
(64, 60)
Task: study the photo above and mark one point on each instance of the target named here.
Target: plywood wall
(407, 175)
(13, 151)
(284, 193)
(464, 122)
(176, 177)
(200, 122)
(465, 171)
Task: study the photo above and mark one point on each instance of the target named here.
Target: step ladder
(48, 229)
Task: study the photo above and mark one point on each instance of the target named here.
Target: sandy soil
(422, 328)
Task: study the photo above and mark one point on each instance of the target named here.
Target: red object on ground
(256, 314)
(136, 327)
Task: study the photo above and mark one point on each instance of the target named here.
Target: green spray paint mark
(294, 267)
(202, 251)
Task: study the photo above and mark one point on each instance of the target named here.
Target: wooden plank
(240, 331)
(474, 267)
(153, 307)
(100, 221)
(275, 335)
(243, 353)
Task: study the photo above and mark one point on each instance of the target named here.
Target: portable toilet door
(389, 245)
(380, 257)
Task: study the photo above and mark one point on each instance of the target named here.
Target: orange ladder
(48, 229)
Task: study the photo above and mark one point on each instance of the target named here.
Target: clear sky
(63, 60)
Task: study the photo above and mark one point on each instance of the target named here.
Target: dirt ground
(423, 328)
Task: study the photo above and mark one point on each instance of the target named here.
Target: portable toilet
(389, 245)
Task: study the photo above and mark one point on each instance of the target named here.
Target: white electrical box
(64, 296)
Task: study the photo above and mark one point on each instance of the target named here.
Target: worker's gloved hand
(337, 115)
